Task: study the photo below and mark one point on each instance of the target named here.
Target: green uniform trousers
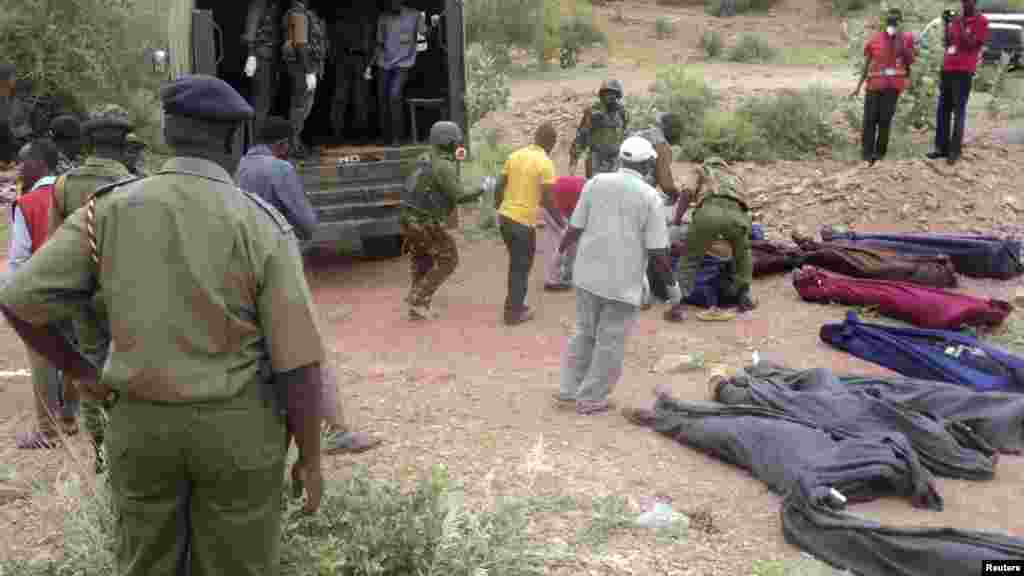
(222, 462)
(718, 217)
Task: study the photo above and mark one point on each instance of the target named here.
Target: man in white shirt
(619, 223)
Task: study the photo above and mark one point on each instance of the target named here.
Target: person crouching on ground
(720, 211)
(619, 224)
(888, 57)
(566, 191)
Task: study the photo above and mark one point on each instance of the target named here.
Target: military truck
(354, 188)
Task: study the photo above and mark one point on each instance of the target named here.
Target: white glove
(310, 82)
(368, 73)
(675, 294)
(250, 66)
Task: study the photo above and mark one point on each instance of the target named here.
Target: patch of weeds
(752, 48)
(797, 124)
(711, 44)
(812, 55)
(727, 8)
(805, 566)
(486, 157)
(664, 28)
(843, 7)
(1010, 335)
(610, 514)
(373, 527)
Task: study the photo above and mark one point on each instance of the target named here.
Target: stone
(676, 364)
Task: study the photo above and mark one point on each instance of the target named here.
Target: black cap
(65, 127)
(205, 98)
(275, 129)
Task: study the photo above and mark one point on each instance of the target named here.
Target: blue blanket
(940, 355)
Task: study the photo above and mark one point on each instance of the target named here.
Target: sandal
(350, 443)
(588, 408)
(37, 441)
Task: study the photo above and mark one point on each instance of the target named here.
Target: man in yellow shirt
(526, 183)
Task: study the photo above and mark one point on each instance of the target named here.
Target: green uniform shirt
(442, 184)
(70, 193)
(203, 283)
(721, 181)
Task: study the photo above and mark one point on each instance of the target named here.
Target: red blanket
(920, 305)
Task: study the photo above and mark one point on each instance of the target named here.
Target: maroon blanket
(920, 305)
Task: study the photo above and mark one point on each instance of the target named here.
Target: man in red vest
(566, 193)
(37, 164)
(888, 55)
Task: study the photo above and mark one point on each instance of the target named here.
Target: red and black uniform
(890, 58)
(963, 51)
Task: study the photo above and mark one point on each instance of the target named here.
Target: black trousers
(521, 241)
(350, 90)
(264, 91)
(954, 90)
(879, 108)
(391, 102)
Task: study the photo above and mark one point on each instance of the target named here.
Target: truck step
(355, 193)
(366, 211)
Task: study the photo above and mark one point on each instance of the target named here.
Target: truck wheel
(383, 247)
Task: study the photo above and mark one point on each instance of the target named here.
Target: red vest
(888, 68)
(35, 208)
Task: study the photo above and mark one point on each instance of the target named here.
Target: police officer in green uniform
(720, 211)
(602, 131)
(429, 205)
(105, 132)
(212, 326)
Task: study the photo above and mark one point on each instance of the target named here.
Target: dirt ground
(472, 394)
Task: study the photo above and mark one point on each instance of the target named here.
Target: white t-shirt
(621, 217)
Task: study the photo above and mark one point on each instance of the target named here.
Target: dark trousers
(879, 108)
(521, 241)
(390, 87)
(301, 99)
(954, 90)
(264, 92)
(351, 89)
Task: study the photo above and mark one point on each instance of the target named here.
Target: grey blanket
(944, 447)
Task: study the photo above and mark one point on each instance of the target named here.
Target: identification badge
(889, 72)
(951, 50)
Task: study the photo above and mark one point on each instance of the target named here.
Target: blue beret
(206, 98)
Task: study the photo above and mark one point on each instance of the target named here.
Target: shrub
(844, 7)
(711, 44)
(664, 28)
(730, 136)
(486, 82)
(577, 32)
(726, 8)
(371, 527)
(752, 48)
(793, 124)
(528, 24)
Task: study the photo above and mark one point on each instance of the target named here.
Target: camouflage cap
(108, 116)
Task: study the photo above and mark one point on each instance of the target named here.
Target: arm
(582, 141)
(499, 190)
(298, 35)
(571, 237)
(293, 343)
(686, 197)
(863, 76)
(21, 242)
(289, 191)
(257, 9)
(578, 220)
(663, 172)
(656, 243)
(547, 192)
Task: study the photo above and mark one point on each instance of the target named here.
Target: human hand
(309, 479)
(675, 294)
(92, 389)
(368, 73)
(310, 82)
(250, 66)
(856, 92)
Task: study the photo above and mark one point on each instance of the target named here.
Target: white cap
(637, 149)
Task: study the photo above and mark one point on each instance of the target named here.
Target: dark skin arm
(499, 191)
(303, 389)
(686, 197)
(663, 172)
(48, 342)
(863, 76)
(547, 200)
(571, 237)
(662, 265)
(581, 142)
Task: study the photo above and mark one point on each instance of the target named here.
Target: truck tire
(383, 247)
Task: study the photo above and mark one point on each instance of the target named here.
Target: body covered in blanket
(940, 355)
(859, 261)
(805, 463)
(919, 305)
(978, 256)
(818, 396)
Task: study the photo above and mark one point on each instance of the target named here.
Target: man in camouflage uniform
(720, 211)
(602, 130)
(304, 52)
(429, 204)
(105, 132)
(208, 346)
(262, 39)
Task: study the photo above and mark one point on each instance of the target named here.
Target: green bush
(731, 136)
(578, 32)
(752, 48)
(664, 28)
(369, 527)
(486, 82)
(528, 24)
(711, 44)
(727, 8)
(844, 7)
(793, 124)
